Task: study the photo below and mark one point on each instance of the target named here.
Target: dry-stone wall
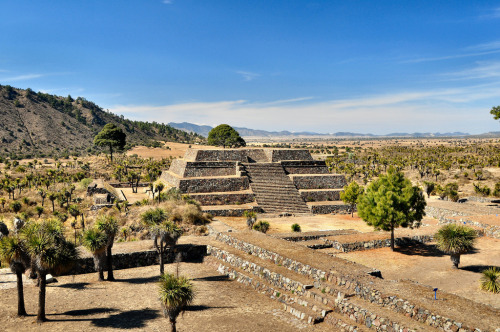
(445, 216)
(189, 253)
(321, 195)
(305, 167)
(275, 155)
(373, 244)
(362, 290)
(202, 168)
(224, 199)
(318, 181)
(326, 209)
(208, 185)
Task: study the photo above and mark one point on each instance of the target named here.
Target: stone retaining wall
(321, 195)
(445, 217)
(224, 199)
(277, 280)
(231, 212)
(350, 282)
(373, 244)
(275, 155)
(305, 167)
(307, 236)
(209, 185)
(202, 168)
(327, 181)
(189, 253)
(329, 208)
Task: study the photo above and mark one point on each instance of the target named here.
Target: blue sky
(324, 66)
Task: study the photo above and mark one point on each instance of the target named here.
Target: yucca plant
(51, 253)
(13, 251)
(455, 240)
(176, 293)
(490, 280)
(165, 233)
(108, 225)
(95, 241)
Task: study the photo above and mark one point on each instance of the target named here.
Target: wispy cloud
(430, 110)
(168, 2)
(482, 70)
(495, 13)
(247, 75)
(493, 45)
(25, 77)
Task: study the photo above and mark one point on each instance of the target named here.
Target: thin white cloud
(25, 77)
(495, 13)
(493, 45)
(432, 110)
(483, 70)
(247, 75)
(168, 2)
(448, 57)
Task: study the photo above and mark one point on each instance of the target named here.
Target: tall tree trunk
(109, 262)
(172, 326)
(162, 270)
(392, 238)
(21, 311)
(455, 258)
(41, 298)
(53, 207)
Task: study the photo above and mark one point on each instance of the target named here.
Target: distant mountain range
(246, 132)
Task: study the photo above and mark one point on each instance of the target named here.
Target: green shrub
(490, 280)
(296, 228)
(262, 226)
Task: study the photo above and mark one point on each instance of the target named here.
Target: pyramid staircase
(274, 191)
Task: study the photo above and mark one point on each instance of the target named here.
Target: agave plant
(13, 251)
(176, 293)
(490, 280)
(95, 241)
(456, 240)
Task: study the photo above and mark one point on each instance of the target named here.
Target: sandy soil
(177, 150)
(310, 223)
(79, 303)
(427, 265)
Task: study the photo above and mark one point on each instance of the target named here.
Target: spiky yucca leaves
(165, 233)
(51, 253)
(490, 280)
(96, 241)
(176, 293)
(13, 251)
(109, 225)
(455, 240)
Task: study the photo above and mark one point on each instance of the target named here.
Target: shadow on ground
(203, 307)
(131, 319)
(76, 285)
(87, 312)
(213, 278)
(420, 249)
(139, 280)
(477, 268)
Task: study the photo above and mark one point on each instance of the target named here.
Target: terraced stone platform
(264, 180)
(321, 289)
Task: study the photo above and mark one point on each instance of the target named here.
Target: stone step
(318, 299)
(337, 291)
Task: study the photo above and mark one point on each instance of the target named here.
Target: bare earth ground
(79, 303)
(425, 264)
(177, 150)
(310, 223)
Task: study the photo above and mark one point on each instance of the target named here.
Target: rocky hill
(39, 124)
